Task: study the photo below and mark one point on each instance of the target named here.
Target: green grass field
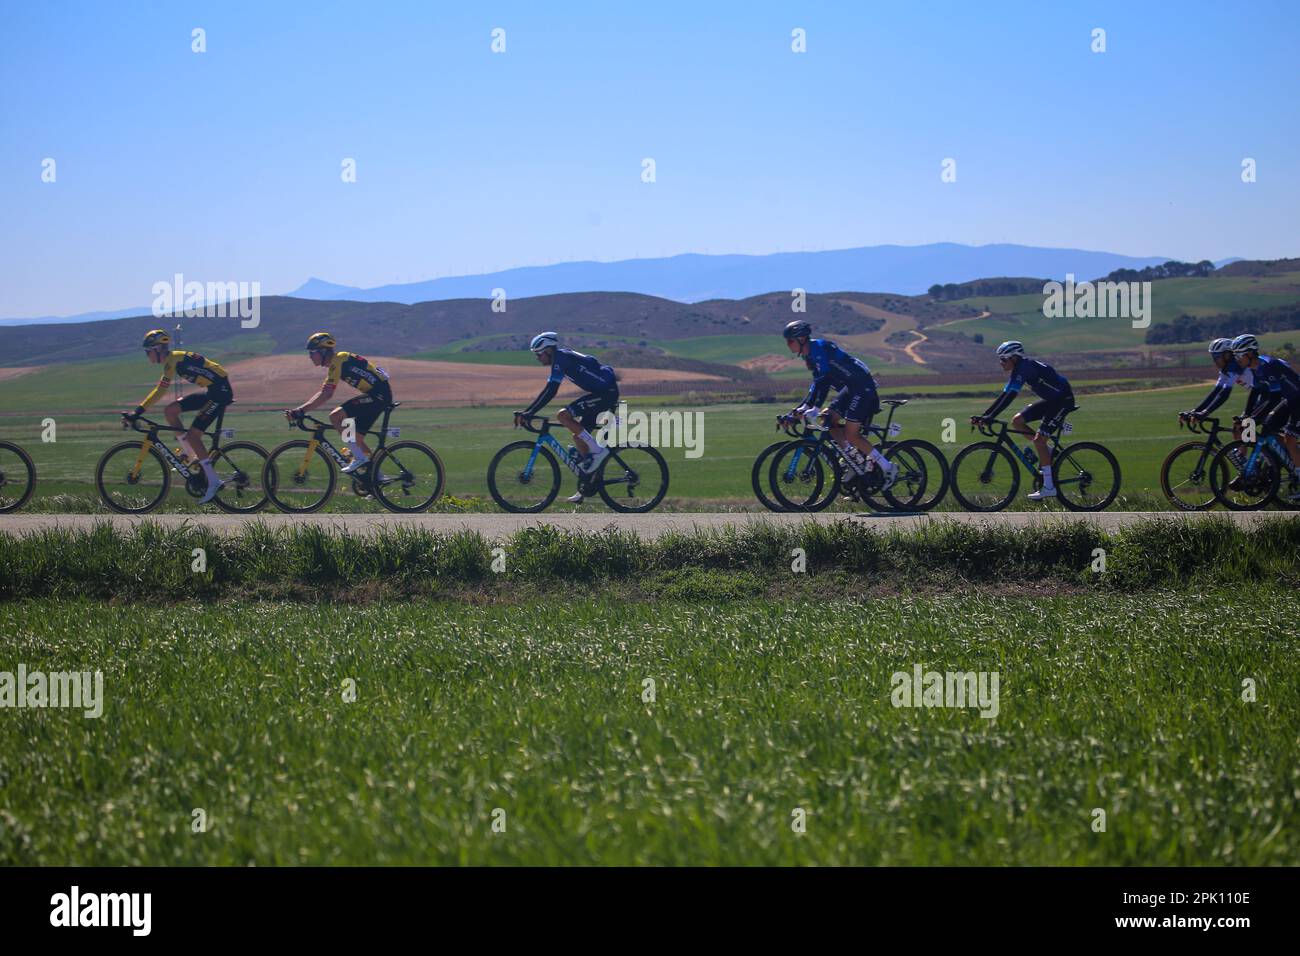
(1170, 298)
(1139, 427)
(398, 733)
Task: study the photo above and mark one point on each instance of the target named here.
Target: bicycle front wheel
(984, 477)
(633, 478)
(299, 479)
(1087, 477)
(802, 479)
(17, 477)
(760, 472)
(407, 476)
(133, 478)
(241, 466)
(521, 483)
(1185, 477)
(1240, 489)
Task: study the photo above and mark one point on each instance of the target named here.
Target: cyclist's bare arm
(323, 395)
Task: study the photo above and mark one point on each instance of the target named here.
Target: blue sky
(226, 165)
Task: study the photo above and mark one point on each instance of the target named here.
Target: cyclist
(1274, 398)
(192, 367)
(579, 416)
(1230, 374)
(1056, 400)
(850, 414)
(367, 378)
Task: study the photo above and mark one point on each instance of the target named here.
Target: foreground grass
(1128, 704)
(151, 562)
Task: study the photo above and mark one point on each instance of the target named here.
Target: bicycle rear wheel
(17, 477)
(407, 476)
(520, 483)
(1087, 476)
(1185, 476)
(132, 479)
(1252, 491)
(923, 477)
(633, 478)
(241, 466)
(299, 479)
(984, 477)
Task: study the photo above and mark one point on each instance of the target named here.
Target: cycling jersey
(1230, 375)
(1046, 381)
(832, 367)
(1278, 377)
(585, 371)
(190, 366)
(357, 371)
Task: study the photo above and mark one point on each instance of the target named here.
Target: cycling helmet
(797, 329)
(155, 338)
(1220, 346)
(1245, 343)
(544, 340)
(1010, 348)
(320, 341)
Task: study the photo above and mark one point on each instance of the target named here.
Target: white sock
(589, 440)
(357, 450)
(879, 459)
(1047, 476)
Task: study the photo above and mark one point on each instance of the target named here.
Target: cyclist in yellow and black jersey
(367, 378)
(192, 367)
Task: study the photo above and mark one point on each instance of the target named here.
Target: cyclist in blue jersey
(579, 416)
(1274, 397)
(851, 412)
(1230, 374)
(1056, 400)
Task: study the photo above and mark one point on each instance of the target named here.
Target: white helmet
(1220, 346)
(1245, 343)
(1010, 348)
(544, 340)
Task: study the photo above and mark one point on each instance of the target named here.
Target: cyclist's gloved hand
(977, 419)
(520, 419)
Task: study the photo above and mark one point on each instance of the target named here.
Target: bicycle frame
(1274, 447)
(1212, 443)
(318, 439)
(1002, 436)
(151, 440)
(819, 434)
(545, 438)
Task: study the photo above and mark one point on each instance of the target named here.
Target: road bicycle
(986, 475)
(301, 474)
(1247, 476)
(134, 477)
(17, 477)
(524, 476)
(812, 471)
(1185, 474)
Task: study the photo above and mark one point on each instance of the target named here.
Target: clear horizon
(225, 165)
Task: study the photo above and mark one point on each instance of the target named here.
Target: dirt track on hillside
(289, 379)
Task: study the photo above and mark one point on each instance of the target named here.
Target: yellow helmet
(320, 340)
(156, 338)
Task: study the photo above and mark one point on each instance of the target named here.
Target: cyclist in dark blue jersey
(1274, 396)
(856, 400)
(579, 416)
(1056, 400)
(1230, 374)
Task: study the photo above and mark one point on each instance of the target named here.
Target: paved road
(647, 526)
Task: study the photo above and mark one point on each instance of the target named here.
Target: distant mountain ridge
(689, 278)
(903, 270)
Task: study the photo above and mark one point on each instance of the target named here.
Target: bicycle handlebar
(133, 422)
(528, 419)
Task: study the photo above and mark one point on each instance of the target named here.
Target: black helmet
(797, 329)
